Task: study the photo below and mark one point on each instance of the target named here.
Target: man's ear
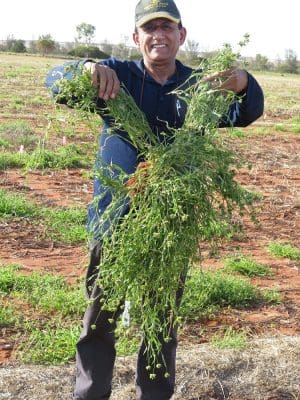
(136, 39)
(182, 36)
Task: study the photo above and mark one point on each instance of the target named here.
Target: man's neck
(160, 72)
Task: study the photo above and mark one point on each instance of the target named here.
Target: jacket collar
(182, 71)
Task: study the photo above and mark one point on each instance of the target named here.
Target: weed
(67, 225)
(230, 339)
(44, 291)
(7, 314)
(280, 128)
(246, 266)
(18, 133)
(272, 296)
(284, 250)
(50, 345)
(187, 189)
(237, 133)
(12, 160)
(206, 292)
(14, 205)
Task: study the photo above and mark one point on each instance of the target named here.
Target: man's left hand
(233, 79)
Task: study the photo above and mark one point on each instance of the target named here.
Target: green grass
(128, 340)
(69, 156)
(246, 266)
(296, 128)
(18, 133)
(50, 345)
(66, 225)
(230, 339)
(15, 205)
(7, 314)
(272, 296)
(12, 160)
(281, 128)
(46, 292)
(282, 92)
(4, 143)
(206, 292)
(284, 250)
(237, 133)
(48, 332)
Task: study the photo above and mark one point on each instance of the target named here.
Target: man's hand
(233, 79)
(105, 79)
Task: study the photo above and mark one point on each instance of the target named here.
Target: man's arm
(103, 77)
(251, 104)
(64, 71)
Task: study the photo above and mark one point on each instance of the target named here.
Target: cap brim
(150, 17)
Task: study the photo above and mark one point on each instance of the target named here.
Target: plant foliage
(181, 192)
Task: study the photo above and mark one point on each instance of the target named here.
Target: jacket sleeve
(245, 111)
(64, 71)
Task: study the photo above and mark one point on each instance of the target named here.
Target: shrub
(87, 51)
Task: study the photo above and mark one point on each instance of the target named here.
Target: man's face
(159, 40)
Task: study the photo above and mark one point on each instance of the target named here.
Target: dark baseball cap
(146, 10)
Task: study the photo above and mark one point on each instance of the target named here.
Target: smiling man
(158, 34)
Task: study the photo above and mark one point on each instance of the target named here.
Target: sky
(273, 25)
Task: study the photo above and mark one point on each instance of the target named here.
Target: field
(46, 163)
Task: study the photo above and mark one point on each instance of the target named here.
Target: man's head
(147, 10)
(158, 30)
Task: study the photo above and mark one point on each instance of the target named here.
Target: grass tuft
(246, 266)
(284, 250)
(14, 205)
(230, 339)
(66, 225)
(50, 345)
(206, 292)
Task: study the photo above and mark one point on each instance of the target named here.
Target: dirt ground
(275, 173)
(261, 372)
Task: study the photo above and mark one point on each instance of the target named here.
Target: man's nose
(158, 32)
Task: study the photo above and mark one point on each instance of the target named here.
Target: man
(158, 35)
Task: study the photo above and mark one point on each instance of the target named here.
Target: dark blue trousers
(96, 353)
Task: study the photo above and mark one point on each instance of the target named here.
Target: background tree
(290, 65)
(85, 51)
(85, 31)
(15, 45)
(192, 49)
(260, 63)
(45, 44)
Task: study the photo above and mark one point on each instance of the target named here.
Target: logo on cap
(155, 4)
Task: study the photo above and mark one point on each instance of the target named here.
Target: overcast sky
(273, 25)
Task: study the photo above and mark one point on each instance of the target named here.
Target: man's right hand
(105, 79)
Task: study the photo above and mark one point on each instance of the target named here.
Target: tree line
(83, 47)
